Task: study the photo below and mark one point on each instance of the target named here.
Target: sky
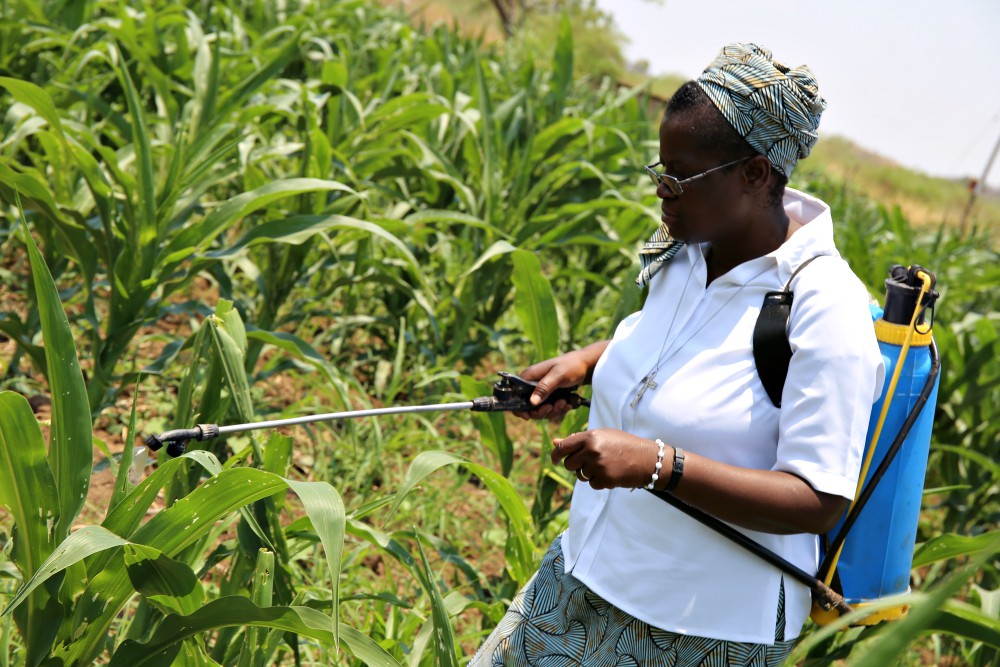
(914, 80)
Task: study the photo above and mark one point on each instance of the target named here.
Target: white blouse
(656, 563)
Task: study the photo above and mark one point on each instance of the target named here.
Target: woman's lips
(667, 216)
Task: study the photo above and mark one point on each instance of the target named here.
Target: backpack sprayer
(868, 555)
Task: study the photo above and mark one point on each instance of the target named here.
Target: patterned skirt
(556, 621)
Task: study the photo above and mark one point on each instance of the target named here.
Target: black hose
(883, 467)
(825, 595)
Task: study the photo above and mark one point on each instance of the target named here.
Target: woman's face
(712, 208)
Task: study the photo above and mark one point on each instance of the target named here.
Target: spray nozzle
(175, 440)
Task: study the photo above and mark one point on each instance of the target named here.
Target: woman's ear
(757, 175)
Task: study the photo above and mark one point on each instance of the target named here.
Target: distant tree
(597, 43)
(530, 25)
(514, 13)
(507, 10)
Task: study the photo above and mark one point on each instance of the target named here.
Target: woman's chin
(674, 226)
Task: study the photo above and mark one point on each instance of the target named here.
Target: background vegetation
(225, 211)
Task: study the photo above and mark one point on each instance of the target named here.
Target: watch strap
(677, 471)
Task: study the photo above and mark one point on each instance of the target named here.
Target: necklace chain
(648, 382)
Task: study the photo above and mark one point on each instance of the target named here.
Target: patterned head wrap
(775, 108)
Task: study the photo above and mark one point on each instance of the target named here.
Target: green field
(221, 212)
(925, 200)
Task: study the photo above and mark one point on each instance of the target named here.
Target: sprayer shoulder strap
(771, 351)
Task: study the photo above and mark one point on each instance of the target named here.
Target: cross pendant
(647, 383)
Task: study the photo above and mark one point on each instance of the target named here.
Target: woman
(677, 403)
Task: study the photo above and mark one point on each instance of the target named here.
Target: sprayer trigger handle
(512, 388)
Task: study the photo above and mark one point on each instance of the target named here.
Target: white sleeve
(835, 374)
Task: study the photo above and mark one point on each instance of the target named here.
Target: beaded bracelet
(659, 464)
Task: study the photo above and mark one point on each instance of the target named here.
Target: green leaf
(143, 235)
(28, 494)
(993, 467)
(228, 319)
(90, 169)
(948, 546)
(300, 349)
(923, 615)
(416, 270)
(26, 186)
(334, 73)
(428, 217)
(239, 611)
(444, 636)
(180, 525)
(411, 117)
(28, 93)
(193, 654)
(237, 94)
(252, 652)
(556, 179)
(967, 622)
(534, 304)
(292, 231)
(170, 531)
(84, 542)
(495, 250)
(198, 236)
(71, 438)
(554, 135)
(325, 508)
(562, 67)
(167, 584)
(520, 548)
(27, 487)
(365, 648)
(122, 483)
(127, 515)
(263, 579)
(231, 353)
(205, 76)
(12, 326)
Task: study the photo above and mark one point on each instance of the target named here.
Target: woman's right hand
(567, 370)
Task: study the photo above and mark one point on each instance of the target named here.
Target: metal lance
(510, 394)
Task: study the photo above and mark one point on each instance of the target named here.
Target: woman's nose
(663, 192)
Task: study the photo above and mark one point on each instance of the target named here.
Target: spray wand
(510, 394)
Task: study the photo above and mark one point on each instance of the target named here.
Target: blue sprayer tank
(878, 548)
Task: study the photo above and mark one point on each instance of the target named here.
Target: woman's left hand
(607, 458)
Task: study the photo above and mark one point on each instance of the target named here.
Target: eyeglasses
(675, 186)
